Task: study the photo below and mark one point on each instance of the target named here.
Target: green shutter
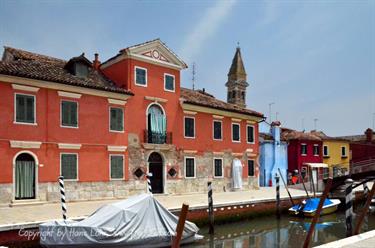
(117, 119)
(69, 114)
(25, 108)
(117, 167)
(69, 166)
(189, 167)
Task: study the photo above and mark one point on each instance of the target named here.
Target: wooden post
(210, 209)
(317, 213)
(277, 195)
(286, 187)
(365, 209)
(180, 226)
(349, 207)
(303, 183)
(62, 193)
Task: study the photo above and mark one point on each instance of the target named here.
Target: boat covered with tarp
(309, 206)
(140, 221)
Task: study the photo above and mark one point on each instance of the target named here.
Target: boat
(309, 206)
(140, 221)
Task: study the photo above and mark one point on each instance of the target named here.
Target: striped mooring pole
(366, 190)
(277, 178)
(62, 192)
(210, 209)
(148, 177)
(349, 207)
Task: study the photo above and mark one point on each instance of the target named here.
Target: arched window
(157, 125)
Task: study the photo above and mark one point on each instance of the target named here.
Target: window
(168, 82)
(116, 119)
(117, 166)
(235, 132)
(303, 149)
(250, 134)
(69, 114)
(25, 108)
(69, 168)
(325, 151)
(316, 150)
(343, 151)
(189, 127)
(218, 133)
(189, 167)
(250, 168)
(218, 167)
(140, 76)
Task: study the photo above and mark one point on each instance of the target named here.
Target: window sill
(190, 177)
(69, 127)
(304, 155)
(141, 85)
(25, 123)
(114, 131)
(251, 143)
(236, 141)
(218, 177)
(218, 139)
(172, 91)
(117, 179)
(325, 156)
(70, 180)
(189, 137)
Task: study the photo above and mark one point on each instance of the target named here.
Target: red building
(362, 147)
(103, 126)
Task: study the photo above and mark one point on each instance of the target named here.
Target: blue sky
(314, 59)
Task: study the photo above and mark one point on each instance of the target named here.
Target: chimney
(369, 134)
(96, 62)
(275, 129)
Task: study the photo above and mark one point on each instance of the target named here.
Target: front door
(25, 177)
(155, 162)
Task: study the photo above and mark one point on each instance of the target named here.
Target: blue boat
(309, 206)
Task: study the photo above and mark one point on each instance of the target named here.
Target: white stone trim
(69, 94)
(190, 151)
(249, 150)
(25, 144)
(156, 99)
(116, 101)
(236, 120)
(116, 148)
(189, 112)
(218, 153)
(250, 122)
(25, 88)
(69, 146)
(237, 154)
(217, 116)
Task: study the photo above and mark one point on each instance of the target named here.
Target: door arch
(155, 166)
(156, 124)
(25, 175)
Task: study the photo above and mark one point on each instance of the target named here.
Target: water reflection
(267, 232)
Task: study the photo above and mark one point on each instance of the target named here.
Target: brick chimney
(96, 62)
(369, 134)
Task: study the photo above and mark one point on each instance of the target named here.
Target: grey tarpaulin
(140, 221)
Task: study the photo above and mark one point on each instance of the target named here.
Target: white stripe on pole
(62, 193)
(148, 176)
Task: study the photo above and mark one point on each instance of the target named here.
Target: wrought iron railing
(157, 137)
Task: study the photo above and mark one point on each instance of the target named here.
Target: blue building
(273, 153)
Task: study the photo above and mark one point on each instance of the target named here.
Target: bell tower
(237, 81)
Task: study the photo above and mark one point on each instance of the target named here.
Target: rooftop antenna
(193, 78)
(315, 123)
(269, 109)
(303, 124)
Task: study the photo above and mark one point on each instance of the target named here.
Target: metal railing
(157, 137)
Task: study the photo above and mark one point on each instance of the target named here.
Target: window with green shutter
(217, 130)
(189, 167)
(168, 82)
(69, 114)
(189, 126)
(25, 108)
(116, 119)
(250, 168)
(250, 134)
(140, 76)
(218, 167)
(117, 166)
(69, 164)
(235, 132)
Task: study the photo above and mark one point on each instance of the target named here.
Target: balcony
(151, 137)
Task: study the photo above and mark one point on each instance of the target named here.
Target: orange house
(104, 126)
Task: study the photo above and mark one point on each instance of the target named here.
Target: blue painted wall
(273, 155)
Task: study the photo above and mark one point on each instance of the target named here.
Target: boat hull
(327, 209)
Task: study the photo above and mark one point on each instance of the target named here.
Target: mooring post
(286, 187)
(277, 195)
(148, 177)
(210, 209)
(365, 209)
(180, 225)
(317, 213)
(349, 207)
(62, 193)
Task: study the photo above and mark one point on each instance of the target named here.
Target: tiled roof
(206, 100)
(22, 63)
(289, 134)
(323, 136)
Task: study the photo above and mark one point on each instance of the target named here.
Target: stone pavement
(11, 217)
(363, 240)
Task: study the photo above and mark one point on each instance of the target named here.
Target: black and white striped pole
(210, 209)
(277, 178)
(62, 193)
(349, 207)
(148, 177)
(365, 189)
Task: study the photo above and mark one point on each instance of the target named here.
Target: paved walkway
(363, 240)
(23, 215)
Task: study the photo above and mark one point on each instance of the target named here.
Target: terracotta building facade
(104, 126)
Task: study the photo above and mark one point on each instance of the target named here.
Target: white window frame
(303, 154)
(247, 134)
(70, 153)
(344, 155)
(123, 167)
(174, 82)
(247, 164)
(135, 76)
(326, 155)
(109, 119)
(190, 117)
(316, 155)
(195, 167)
(213, 130)
(239, 132)
(61, 124)
(15, 110)
(222, 167)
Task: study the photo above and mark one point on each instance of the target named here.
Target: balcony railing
(157, 137)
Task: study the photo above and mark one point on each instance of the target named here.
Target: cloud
(206, 28)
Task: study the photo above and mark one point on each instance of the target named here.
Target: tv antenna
(193, 78)
(315, 123)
